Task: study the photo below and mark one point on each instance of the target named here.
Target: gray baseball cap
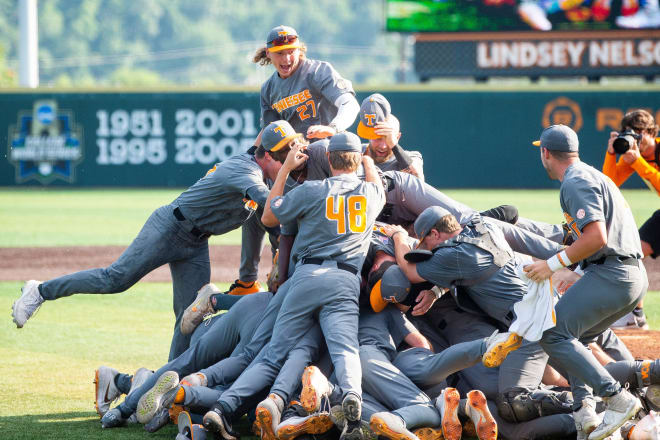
(345, 141)
(278, 134)
(393, 287)
(427, 220)
(282, 38)
(374, 109)
(558, 138)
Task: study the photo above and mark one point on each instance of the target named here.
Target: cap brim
(295, 45)
(536, 143)
(367, 132)
(285, 141)
(376, 298)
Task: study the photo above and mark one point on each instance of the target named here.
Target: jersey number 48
(339, 209)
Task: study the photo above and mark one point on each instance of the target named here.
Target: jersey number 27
(339, 209)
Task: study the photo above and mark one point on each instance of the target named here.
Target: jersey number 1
(356, 212)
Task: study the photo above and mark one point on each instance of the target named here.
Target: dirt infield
(20, 264)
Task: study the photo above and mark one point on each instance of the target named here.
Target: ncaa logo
(45, 144)
(563, 111)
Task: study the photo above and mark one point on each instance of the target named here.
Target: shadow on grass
(86, 425)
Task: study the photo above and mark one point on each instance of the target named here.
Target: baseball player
(608, 247)
(175, 234)
(382, 129)
(313, 98)
(335, 219)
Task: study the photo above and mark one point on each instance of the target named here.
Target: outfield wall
(474, 139)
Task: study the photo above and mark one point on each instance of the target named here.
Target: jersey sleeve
(292, 205)
(618, 172)
(583, 202)
(647, 172)
(439, 269)
(250, 184)
(327, 81)
(400, 326)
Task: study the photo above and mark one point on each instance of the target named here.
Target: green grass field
(49, 365)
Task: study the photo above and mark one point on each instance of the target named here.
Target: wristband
(558, 261)
(436, 290)
(398, 231)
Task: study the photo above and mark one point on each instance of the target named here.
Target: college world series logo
(45, 144)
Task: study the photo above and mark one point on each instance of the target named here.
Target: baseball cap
(393, 287)
(345, 141)
(558, 138)
(427, 220)
(282, 38)
(374, 109)
(277, 134)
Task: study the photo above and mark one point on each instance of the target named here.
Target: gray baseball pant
(605, 293)
(162, 240)
(253, 234)
(388, 385)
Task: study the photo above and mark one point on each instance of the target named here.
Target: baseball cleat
(160, 419)
(244, 287)
(105, 389)
(317, 423)
(499, 346)
(28, 303)
(586, 419)
(315, 386)
(268, 415)
(652, 397)
(112, 419)
(390, 426)
(161, 395)
(194, 380)
(476, 408)
(201, 307)
(215, 422)
(352, 407)
(648, 428)
(447, 406)
(139, 378)
(429, 433)
(620, 408)
(357, 430)
(189, 430)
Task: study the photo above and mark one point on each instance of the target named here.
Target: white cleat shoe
(25, 306)
(477, 410)
(105, 389)
(447, 405)
(499, 345)
(268, 415)
(534, 16)
(390, 426)
(586, 419)
(645, 18)
(315, 386)
(620, 408)
(195, 312)
(139, 378)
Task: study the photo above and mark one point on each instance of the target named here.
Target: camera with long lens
(624, 140)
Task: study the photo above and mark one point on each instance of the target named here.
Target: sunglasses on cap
(283, 40)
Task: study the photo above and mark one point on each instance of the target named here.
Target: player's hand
(389, 132)
(295, 158)
(390, 230)
(538, 271)
(610, 142)
(320, 132)
(424, 300)
(563, 279)
(632, 154)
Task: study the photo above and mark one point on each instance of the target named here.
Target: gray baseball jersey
(305, 98)
(215, 203)
(464, 261)
(385, 330)
(587, 196)
(338, 217)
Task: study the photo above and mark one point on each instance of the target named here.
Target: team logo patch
(45, 144)
(384, 239)
(277, 203)
(580, 214)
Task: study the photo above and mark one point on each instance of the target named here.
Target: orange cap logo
(280, 130)
(370, 119)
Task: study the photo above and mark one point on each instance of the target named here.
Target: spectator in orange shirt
(643, 157)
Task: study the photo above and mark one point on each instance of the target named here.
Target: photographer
(639, 153)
